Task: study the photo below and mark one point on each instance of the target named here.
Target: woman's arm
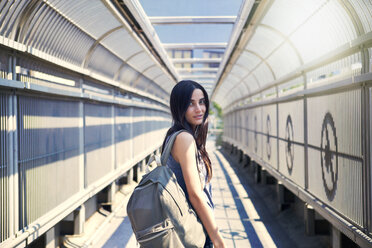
(183, 152)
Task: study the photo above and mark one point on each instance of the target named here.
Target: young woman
(189, 106)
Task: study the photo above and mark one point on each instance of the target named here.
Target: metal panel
(156, 126)
(124, 45)
(275, 61)
(255, 131)
(241, 125)
(264, 41)
(97, 142)
(235, 126)
(138, 131)
(245, 132)
(141, 61)
(150, 122)
(48, 155)
(91, 18)
(264, 74)
(65, 40)
(334, 71)
(335, 152)
(127, 74)
(166, 83)
(291, 141)
(330, 24)
(143, 83)
(229, 127)
(104, 61)
(153, 72)
(123, 139)
(4, 169)
(269, 121)
(363, 10)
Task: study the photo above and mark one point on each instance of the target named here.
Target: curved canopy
(291, 44)
(250, 49)
(92, 37)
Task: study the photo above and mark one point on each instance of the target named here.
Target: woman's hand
(218, 241)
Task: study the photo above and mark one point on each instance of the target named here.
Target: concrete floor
(246, 213)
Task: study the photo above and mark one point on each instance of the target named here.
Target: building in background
(181, 54)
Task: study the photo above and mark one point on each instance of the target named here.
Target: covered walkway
(84, 102)
(246, 213)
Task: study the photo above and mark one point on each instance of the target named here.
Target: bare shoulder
(184, 137)
(183, 144)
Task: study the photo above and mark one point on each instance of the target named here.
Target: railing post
(113, 155)
(309, 218)
(12, 154)
(82, 179)
(79, 220)
(12, 163)
(336, 238)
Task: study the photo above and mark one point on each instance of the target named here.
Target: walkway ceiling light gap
(286, 38)
(172, 20)
(254, 11)
(185, 46)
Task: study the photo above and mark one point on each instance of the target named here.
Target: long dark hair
(179, 102)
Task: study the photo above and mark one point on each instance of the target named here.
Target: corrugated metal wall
(98, 143)
(48, 155)
(335, 160)
(123, 135)
(64, 146)
(335, 152)
(4, 168)
(291, 141)
(270, 135)
(138, 130)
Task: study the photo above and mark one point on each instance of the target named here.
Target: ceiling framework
(280, 53)
(71, 34)
(199, 61)
(184, 46)
(164, 20)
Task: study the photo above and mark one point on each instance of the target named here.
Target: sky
(192, 33)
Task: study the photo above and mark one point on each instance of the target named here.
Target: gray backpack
(158, 210)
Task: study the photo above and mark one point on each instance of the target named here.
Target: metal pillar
(79, 220)
(309, 217)
(50, 238)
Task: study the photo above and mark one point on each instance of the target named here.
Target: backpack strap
(168, 147)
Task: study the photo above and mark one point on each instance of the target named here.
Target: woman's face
(196, 110)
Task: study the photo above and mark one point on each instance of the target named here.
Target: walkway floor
(244, 218)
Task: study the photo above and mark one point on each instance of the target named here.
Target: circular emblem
(255, 134)
(289, 149)
(268, 129)
(329, 156)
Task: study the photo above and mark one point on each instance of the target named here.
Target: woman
(189, 107)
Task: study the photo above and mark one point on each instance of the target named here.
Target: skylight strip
(156, 20)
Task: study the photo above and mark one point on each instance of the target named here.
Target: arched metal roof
(291, 44)
(275, 46)
(91, 37)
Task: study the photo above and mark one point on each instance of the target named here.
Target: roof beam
(199, 76)
(209, 83)
(189, 46)
(196, 60)
(201, 69)
(159, 20)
